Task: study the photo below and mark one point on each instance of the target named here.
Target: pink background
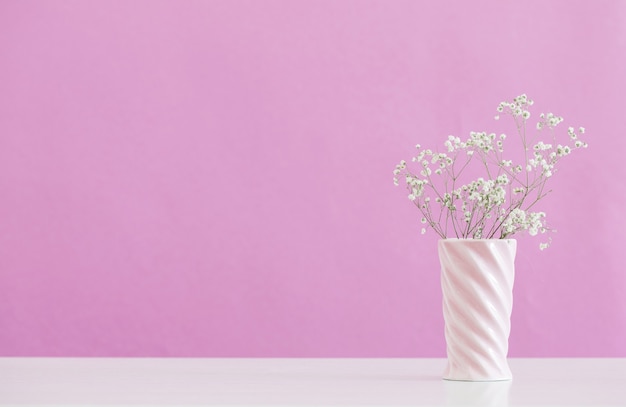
(214, 178)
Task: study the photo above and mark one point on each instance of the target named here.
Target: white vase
(477, 282)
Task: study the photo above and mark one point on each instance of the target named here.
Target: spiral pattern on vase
(477, 283)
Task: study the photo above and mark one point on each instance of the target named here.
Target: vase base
(498, 379)
(477, 373)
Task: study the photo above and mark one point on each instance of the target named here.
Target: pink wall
(213, 178)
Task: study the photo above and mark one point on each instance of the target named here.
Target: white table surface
(299, 382)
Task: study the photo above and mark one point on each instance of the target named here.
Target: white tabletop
(297, 382)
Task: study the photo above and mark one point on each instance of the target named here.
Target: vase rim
(472, 240)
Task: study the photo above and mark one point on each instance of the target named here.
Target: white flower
(502, 179)
(496, 206)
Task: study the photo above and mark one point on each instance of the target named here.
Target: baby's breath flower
(496, 206)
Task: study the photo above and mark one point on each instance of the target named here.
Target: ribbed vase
(477, 282)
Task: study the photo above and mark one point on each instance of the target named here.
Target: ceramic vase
(477, 282)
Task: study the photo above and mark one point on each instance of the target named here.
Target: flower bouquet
(500, 203)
